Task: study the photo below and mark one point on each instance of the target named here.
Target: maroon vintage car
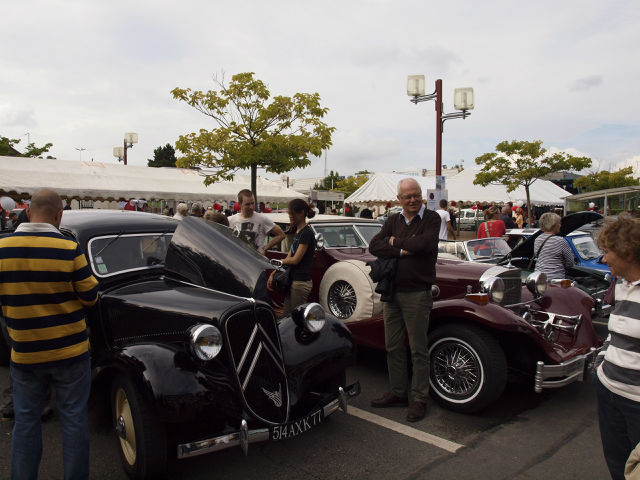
(486, 319)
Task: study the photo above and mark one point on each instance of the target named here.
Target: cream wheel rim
(127, 435)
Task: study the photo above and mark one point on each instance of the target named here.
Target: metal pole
(438, 127)
(125, 151)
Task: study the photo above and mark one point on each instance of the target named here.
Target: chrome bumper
(565, 373)
(244, 436)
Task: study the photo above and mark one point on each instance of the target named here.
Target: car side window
(284, 245)
(340, 236)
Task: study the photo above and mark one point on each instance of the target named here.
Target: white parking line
(405, 430)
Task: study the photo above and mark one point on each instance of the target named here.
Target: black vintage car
(189, 346)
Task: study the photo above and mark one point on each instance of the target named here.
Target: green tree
(521, 163)
(350, 184)
(603, 180)
(7, 148)
(328, 182)
(163, 157)
(253, 130)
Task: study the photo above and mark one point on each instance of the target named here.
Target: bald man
(411, 238)
(45, 285)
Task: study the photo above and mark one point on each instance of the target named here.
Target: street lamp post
(121, 152)
(80, 149)
(462, 100)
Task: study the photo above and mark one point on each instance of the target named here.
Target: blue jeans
(619, 420)
(72, 384)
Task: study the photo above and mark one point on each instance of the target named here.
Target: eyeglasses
(417, 196)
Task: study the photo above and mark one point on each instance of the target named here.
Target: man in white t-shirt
(254, 226)
(445, 222)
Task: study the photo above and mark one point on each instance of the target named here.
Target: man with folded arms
(411, 237)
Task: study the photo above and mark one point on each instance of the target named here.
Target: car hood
(569, 223)
(210, 255)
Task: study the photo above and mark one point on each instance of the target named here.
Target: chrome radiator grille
(513, 287)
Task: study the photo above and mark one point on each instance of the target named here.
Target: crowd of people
(57, 357)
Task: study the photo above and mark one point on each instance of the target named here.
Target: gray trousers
(408, 314)
(298, 294)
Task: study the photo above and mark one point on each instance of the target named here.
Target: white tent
(97, 180)
(382, 187)
(542, 192)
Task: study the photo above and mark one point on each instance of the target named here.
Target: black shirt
(302, 271)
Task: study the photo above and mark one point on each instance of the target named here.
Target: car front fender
(175, 385)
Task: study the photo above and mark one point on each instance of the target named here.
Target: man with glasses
(411, 237)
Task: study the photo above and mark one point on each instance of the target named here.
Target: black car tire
(468, 367)
(142, 446)
(5, 345)
(347, 291)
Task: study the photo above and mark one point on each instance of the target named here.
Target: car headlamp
(537, 283)
(206, 341)
(310, 316)
(494, 287)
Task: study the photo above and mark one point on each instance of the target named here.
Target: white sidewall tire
(356, 273)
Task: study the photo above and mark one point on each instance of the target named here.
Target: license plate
(293, 429)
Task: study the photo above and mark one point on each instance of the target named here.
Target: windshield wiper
(108, 244)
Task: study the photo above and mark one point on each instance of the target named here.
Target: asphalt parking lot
(523, 436)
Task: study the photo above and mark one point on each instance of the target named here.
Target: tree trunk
(529, 216)
(254, 179)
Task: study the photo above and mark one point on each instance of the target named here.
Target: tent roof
(97, 180)
(381, 187)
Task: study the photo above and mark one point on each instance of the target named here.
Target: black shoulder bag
(537, 253)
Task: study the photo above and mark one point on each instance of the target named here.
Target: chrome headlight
(206, 341)
(310, 317)
(537, 283)
(494, 287)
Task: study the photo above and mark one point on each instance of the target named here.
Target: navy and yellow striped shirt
(45, 283)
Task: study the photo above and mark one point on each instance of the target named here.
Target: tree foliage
(329, 182)
(521, 163)
(604, 179)
(163, 157)
(7, 148)
(350, 184)
(253, 129)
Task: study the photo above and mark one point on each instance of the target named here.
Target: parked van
(467, 219)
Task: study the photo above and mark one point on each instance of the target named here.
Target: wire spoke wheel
(468, 367)
(342, 299)
(456, 369)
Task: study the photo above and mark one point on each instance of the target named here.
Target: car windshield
(369, 231)
(487, 249)
(114, 254)
(586, 247)
(343, 235)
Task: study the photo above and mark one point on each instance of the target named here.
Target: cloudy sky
(80, 74)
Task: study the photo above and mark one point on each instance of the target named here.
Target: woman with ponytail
(300, 255)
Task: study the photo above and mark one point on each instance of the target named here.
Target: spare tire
(347, 291)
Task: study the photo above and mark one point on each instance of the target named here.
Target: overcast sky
(79, 74)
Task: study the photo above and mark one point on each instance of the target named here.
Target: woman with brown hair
(300, 255)
(618, 365)
(492, 226)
